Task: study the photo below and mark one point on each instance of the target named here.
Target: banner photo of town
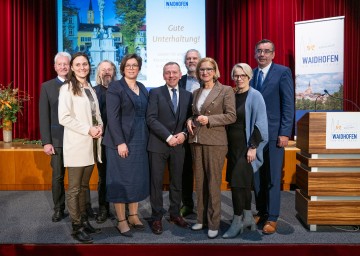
(110, 29)
(319, 65)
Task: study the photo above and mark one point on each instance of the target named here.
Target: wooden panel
(327, 212)
(302, 179)
(334, 184)
(289, 167)
(328, 183)
(7, 165)
(301, 206)
(27, 167)
(311, 131)
(311, 134)
(327, 162)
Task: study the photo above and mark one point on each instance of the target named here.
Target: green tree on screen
(131, 14)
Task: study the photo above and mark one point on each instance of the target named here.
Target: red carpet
(179, 250)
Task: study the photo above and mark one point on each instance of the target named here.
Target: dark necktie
(174, 99)
(260, 80)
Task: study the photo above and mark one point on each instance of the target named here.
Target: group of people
(191, 124)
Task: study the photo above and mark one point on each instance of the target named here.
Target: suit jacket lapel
(166, 94)
(181, 102)
(267, 78)
(127, 90)
(214, 93)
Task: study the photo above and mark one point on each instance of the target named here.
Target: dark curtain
(27, 49)
(28, 42)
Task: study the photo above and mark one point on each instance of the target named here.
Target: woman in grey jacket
(247, 138)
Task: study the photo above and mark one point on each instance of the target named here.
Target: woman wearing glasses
(247, 138)
(126, 136)
(213, 108)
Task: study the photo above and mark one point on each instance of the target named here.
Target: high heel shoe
(236, 227)
(126, 233)
(249, 220)
(136, 226)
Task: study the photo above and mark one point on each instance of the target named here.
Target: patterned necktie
(260, 80)
(174, 99)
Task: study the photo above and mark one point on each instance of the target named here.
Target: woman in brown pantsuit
(213, 109)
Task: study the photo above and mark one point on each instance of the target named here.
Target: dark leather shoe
(185, 211)
(156, 227)
(57, 216)
(179, 221)
(82, 236)
(269, 228)
(101, 217)
(90, 229)
(90, 212)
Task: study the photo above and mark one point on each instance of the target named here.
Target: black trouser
(58, 173)
(158, 162)
(241, 198)
(103, 205)
(187, 178)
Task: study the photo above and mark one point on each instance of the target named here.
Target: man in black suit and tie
(52, 132)
(189, 83)
(168, 108)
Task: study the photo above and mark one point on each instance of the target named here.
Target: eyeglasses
(266, 51)
(242, 76)
(133, 66)
(202, 70)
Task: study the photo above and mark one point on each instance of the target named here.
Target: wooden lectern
(328, 179)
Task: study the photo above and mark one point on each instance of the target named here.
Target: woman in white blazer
(80, 115)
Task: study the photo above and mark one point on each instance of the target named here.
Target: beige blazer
(75, 116)
(219, 107)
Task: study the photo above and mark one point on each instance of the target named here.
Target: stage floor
(26, 219)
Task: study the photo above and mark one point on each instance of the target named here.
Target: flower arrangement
(11, 102)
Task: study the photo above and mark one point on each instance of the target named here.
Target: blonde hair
(245, 67)
(214, 65)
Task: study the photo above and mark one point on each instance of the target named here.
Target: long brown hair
(71, 78)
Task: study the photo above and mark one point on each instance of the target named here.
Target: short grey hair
(192, 50)
(64, 54)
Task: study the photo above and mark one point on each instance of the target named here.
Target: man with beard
(105, 73)
(190, 83)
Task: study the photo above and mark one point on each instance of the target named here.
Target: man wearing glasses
(277, 87)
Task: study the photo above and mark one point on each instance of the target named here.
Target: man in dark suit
(105, 73)
(189, 83)
(277, 87)
(168, 108)
(52, 132)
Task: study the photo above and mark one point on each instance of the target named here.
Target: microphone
(320, 95)
(353, 103)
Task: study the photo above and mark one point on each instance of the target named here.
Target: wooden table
(27, 167)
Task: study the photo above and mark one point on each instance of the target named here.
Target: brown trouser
(79, 178)
(208, 162)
